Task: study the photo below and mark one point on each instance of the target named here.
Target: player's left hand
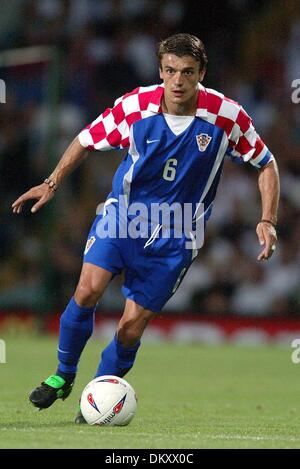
(267, 236)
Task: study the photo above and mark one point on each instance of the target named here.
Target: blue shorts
(152, 272)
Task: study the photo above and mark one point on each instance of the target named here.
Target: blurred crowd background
(95, 51)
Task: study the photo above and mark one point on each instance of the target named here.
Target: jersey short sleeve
(111, 129)
(245, 145)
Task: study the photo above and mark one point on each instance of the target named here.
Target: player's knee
(87, 295)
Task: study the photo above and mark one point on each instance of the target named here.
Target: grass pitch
(189, 396)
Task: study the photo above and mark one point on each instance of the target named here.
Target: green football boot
(53, 388)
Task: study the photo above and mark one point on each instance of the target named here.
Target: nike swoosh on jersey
(152, 141)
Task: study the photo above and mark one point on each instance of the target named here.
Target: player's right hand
(42, 193)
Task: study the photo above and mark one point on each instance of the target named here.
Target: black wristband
(268, 221)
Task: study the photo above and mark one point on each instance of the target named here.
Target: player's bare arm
(268, 182)
(72, 158)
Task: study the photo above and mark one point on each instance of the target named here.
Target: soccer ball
(108, 400)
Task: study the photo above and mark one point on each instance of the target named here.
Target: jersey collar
(156, 98)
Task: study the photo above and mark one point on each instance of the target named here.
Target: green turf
(189, 396)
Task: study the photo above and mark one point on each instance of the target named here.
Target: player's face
(180, 76)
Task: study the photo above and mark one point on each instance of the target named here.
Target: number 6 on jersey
(170, 169)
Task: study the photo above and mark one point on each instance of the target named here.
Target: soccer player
(178, 134)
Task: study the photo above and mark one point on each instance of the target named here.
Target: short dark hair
(183, 44)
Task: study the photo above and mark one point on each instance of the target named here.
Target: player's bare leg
(76, 327)
(91, 285)
(133, 323)
(118, 357)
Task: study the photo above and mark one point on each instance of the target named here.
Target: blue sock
(76, 327)
(116, 359)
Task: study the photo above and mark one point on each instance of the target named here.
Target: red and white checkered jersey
(111, 130)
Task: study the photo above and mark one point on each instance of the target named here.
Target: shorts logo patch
(89, 244)
(203, 141)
